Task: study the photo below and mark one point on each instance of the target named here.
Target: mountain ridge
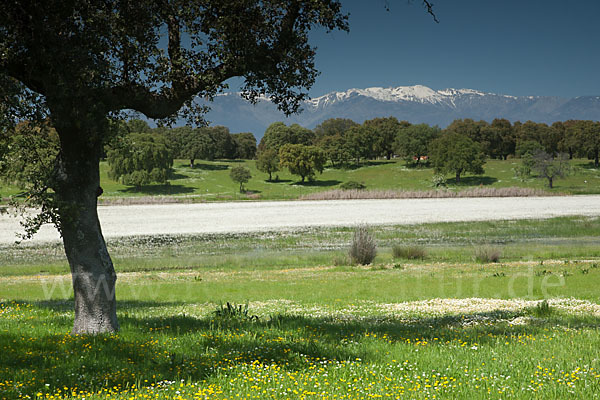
(416, 104)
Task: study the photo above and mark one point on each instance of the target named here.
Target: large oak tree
(89, 59)
(80, 62)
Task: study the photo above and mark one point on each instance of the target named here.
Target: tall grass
(337, 194)
(487, 254)
(410, 252)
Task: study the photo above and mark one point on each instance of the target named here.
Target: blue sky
(515, 47)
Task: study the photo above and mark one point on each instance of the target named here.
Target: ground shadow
(277, 181)
(237, 160)
(418, 166)
(473, 181)
(318, 183)
(587, 165)
(159, 189)
(210, 167)
(174, 176)
(144, 348)
(371, 163)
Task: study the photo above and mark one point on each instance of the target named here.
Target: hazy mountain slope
(416, 104)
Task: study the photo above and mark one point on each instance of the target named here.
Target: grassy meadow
(316, 327)
(209, 181)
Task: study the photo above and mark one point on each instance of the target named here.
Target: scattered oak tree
(224, 146)
(241, 175)
(302, 160)
(505, 141)
(279, 134)
(84, 61)
(412, 142)
(550, 168)
(191, 144)
(525, 151)
(589, 140)
(333, 127)
(336, 149)
(383, 133)
(245, 145)
(139, 159)
(358, 143)
(456, 153)
(268, 162)
(330, 136)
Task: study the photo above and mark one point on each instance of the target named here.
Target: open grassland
(441, 326)
(473, 349)
(209, 181)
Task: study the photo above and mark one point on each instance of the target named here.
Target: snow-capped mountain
(417, 104)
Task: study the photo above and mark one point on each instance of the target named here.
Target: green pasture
(209, 180)
(315, 326)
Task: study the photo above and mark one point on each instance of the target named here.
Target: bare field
(152, 219)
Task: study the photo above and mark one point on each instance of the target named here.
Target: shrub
(232, 311)
(363, 249)
(352, 185)
(486, 254)
(439, 180)
(409, 252)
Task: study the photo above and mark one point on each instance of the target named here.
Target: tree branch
(168, 101)
(429, 6)
(158, 105)
(426, 3)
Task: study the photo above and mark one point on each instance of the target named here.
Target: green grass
(563, 238)
(325, 329)
(209, 181)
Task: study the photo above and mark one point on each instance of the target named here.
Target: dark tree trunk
(457, 177)
(596, 161)
(550, 182)
(77, 189)
(389, 155)
(192, 163)
(270, 176)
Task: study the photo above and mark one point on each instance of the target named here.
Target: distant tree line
(461, 147)
(139, 154)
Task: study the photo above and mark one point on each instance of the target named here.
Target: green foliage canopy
(359, 143)
(268, 162)
(139, 159)
(383, 132)
(245, 144)
(333, 127)
(279, 134)
(30, 152)
(412, 142)
(191, 144)
(241, 175)
(549, 167)
(588, 139)
(302, 160)
(456, 153)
